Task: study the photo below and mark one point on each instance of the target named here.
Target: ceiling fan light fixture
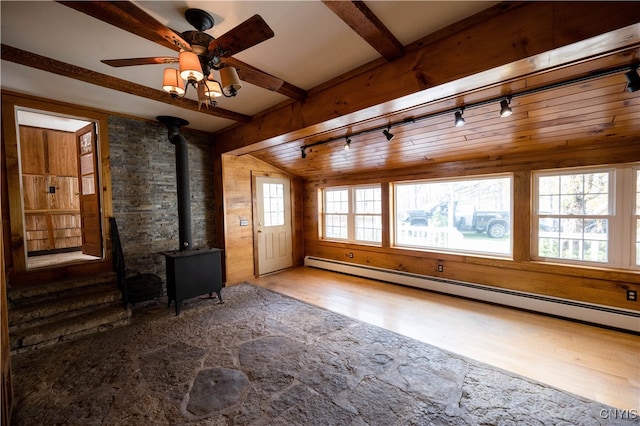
(212, 89)
(230, 80)
(172, 83)
(190, 67)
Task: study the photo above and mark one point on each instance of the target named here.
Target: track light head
(387, 134)
(633, 81)
(347, 144)
(505, 109)
(459, 121)
(304, 152)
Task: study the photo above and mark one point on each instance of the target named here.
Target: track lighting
(632, 76)
(633, 81)
(505, 109)
(459, 121)
(387, 134)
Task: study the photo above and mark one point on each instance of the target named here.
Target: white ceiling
(311, 46)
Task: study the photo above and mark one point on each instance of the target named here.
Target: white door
(273, 224)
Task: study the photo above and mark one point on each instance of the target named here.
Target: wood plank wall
(50, 160)
(238, 244)
(594, 285)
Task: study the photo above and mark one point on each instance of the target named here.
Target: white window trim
(351, 214)
(621, 225)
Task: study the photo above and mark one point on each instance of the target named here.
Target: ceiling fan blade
(253, 75)
(249, 33)
(131, 18)
(140, 61)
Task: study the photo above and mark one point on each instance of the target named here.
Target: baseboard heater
(586, 312)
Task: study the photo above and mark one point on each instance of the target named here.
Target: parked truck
(466, 218)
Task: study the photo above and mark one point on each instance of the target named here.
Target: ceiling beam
(129, 17)
(43, 63)
(366, 24)
(516, 39)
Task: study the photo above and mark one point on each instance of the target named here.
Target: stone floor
(266, 359)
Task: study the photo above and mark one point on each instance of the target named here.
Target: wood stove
(190, 272)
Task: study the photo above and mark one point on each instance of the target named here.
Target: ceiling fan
(200, 53)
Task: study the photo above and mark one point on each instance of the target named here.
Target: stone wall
(145, 204)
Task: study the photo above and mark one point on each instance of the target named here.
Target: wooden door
(89, 191)
(273, 224)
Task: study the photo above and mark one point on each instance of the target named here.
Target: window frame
(394, 225)
(350, 215)
(621, 220)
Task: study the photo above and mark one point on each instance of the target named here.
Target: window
(469, 215)
(353, 214)
(336, 213)
(587, 216)
(273, 202)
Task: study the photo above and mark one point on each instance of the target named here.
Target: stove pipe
(182, 177)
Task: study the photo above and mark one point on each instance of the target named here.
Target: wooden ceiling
(583, 114)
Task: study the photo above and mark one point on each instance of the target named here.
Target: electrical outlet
(440, 268)
(350, 255)
(632, 295)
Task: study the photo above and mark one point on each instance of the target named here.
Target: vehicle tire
(497, 230)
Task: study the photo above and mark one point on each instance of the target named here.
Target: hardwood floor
(593, 362)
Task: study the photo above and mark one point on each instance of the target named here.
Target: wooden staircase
(44, 315)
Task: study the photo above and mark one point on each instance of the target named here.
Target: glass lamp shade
(172, 83)
(230, 80)
(190, 68)
(212, 89)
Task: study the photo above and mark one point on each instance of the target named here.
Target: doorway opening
(60, 181)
